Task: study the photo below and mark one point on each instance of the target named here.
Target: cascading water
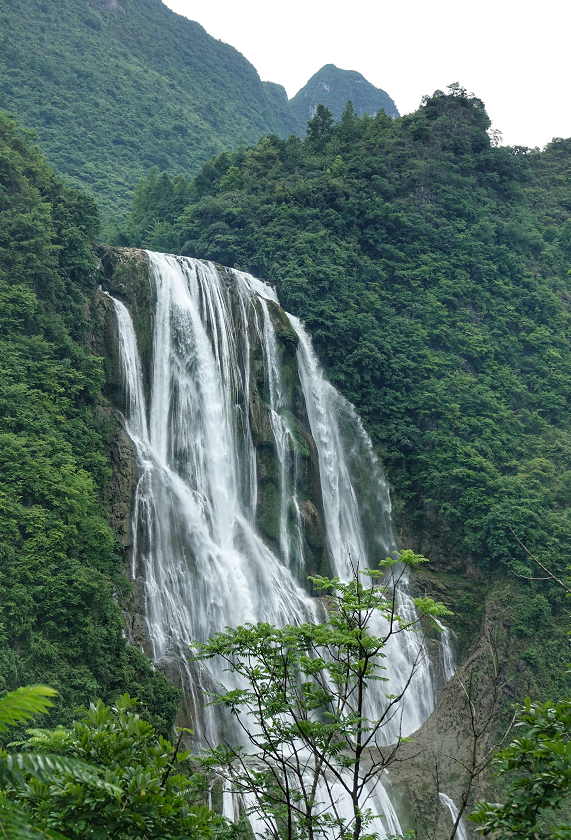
(347, 462)
(197, 550)
(461, 832)
(446, 652)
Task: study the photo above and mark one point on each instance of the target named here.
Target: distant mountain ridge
(113, 87)
(333, 87)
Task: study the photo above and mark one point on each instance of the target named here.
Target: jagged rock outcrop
(447, 746)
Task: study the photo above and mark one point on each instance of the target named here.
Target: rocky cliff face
(126, 274)
(458, 739)
(267, 520)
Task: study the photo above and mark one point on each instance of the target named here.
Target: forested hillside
(431, 267)
(60, 563)
(114, 87)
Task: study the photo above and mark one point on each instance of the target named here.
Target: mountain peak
(333, 87)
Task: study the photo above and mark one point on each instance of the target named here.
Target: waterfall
(446, 652)
(198, 553)
(196, 550)
(347, 464)
(461, 832)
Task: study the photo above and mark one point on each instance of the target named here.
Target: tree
(348, 127)
(15, 821)
(539, 765)
(320, 128)
(301, 705)
(109, 776)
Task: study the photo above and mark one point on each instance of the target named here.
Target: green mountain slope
(60, 563)
(114, 87)
(432, 269)
(333, 88)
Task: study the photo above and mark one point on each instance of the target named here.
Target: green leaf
(43, 768)
(23, 704)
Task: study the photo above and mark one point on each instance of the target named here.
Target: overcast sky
(513, 55)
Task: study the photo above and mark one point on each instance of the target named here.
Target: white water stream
(197, 555)
(461, 831)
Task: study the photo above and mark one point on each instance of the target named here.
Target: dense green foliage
(59, 565)
(144, 795)
(431, 267)
(538, 764)
(110, 775)
(333, 88)
(16, 822)
(435, 287)
(115, 88)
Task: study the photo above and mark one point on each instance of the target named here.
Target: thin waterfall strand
(461, 832)
(345, 450)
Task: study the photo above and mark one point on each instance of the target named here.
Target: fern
(23, 704)
(16, 707)
(42, 767)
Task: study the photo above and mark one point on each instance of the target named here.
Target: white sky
(513, 54)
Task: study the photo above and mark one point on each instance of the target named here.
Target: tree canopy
(431, 268)
(113, 88)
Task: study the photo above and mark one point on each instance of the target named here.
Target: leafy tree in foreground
(15, 822)
(114, 777)
(313, 741)
(540, 761)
